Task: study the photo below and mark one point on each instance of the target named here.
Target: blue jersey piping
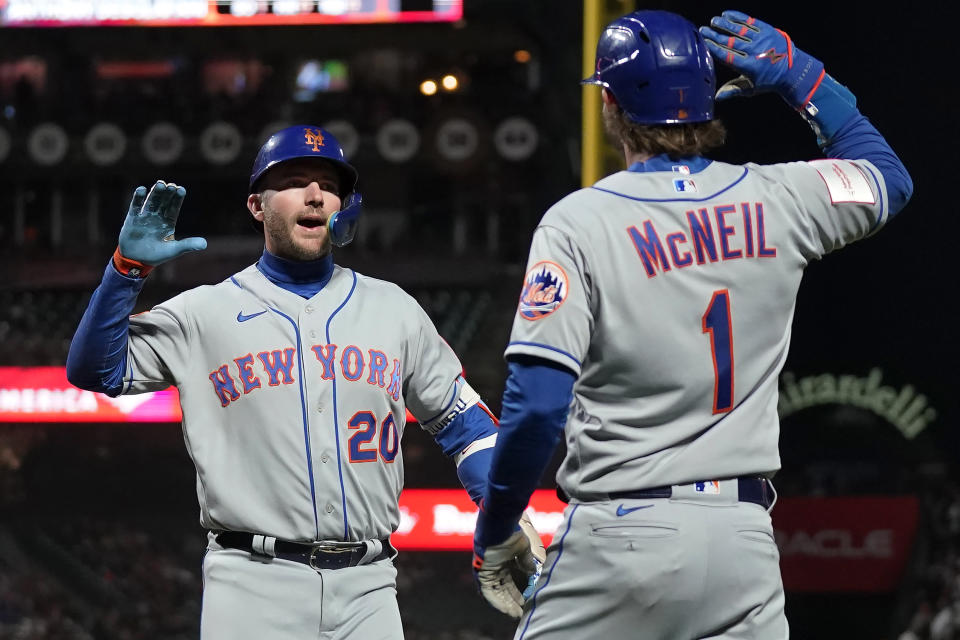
(704, 199)
(303, 410)
(549, 573)
(126, 357)
(548, 347)
(336, 419)
(880, 195)
(453, 397)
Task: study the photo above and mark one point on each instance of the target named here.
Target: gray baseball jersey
(293, 409)
(671, 294)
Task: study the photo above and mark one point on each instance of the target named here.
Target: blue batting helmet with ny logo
(657, 66)
(307, 141)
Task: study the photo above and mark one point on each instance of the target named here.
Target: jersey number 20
(365, 425)
(716, 322)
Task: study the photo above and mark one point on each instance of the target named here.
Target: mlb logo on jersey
(544, 290)
(681, 168)
(684, 185)
(708, 486)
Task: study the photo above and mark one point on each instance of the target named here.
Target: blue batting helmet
(657, 66)
(305, 141)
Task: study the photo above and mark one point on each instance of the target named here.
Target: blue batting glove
(765, 57)
(147, 232)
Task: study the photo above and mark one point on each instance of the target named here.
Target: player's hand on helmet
(764, 56)
(506, 573)
(147, 232)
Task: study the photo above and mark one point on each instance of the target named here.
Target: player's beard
(284, 245)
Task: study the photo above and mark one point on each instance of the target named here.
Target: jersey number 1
(716, 322)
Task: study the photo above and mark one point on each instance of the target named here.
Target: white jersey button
(313, 334)
(309, 309)
(329, 508)
(324, 458)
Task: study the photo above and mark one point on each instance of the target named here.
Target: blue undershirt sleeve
(473, 473)
(98, 351)
(536, 400)
(465, 432)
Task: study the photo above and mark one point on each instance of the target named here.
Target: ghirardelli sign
(904, 407)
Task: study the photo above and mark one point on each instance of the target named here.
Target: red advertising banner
(444, 519)
(846, 544)
(42, 394)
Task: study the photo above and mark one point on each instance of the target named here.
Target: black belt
(319, 555)
(750, 489)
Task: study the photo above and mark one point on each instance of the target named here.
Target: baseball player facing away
(294, 378)
(653, 323)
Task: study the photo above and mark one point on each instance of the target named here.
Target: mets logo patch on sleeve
(845, 181)
(545, 288)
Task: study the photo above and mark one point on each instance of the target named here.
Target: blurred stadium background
(466, 122)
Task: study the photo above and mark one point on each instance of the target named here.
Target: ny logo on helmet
(314, 138)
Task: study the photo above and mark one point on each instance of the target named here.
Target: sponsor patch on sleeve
(545, 287)
(845, 181)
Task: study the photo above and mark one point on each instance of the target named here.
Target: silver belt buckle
(326, 546)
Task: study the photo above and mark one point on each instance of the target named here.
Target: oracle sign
(859, 544)
(444, 519)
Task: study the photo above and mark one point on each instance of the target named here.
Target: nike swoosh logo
(622, 512)
(243, 318)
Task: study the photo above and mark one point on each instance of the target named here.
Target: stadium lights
(428, 87)
(450, 82)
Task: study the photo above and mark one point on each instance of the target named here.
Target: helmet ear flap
(342, 225)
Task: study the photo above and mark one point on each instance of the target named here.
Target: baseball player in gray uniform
(294, 378)
(653, 322)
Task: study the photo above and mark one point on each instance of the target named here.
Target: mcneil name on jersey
(273, 368)
(723, 232)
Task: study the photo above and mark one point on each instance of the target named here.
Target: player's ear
(255, 206)
(608, 97)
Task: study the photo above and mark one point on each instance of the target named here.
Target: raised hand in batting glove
(765, 57)
(146, 238)
(506, 573)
